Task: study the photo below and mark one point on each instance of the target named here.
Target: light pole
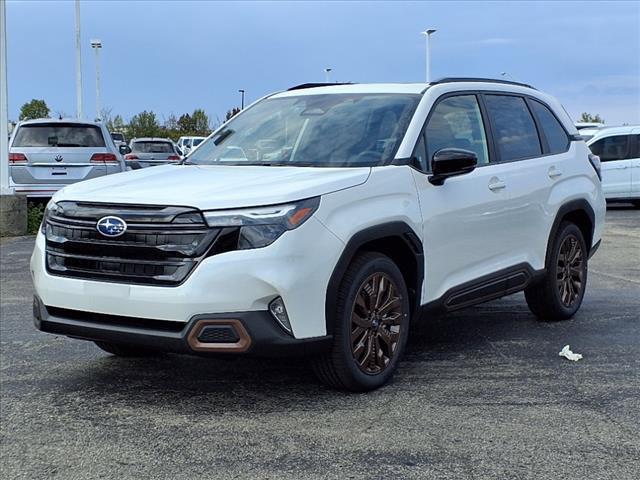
(96, 44)
(242, 99)
(78, 64)
(4, 114)
(327, 71)
(427, 34)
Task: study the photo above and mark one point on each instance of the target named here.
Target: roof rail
(473, 79)
(313, 85)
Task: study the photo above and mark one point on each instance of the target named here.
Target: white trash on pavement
(569, 355)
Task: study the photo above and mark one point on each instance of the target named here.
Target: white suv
(619, 152)
(324, 221)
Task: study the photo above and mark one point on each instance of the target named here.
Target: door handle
(496, 184)
(554, 172)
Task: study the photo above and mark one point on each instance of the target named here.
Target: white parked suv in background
(326, 221)
(619, 152)
(187, 144)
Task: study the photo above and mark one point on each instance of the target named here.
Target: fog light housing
(279, 312)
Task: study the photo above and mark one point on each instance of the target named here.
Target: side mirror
(450, 162)
(124, 149)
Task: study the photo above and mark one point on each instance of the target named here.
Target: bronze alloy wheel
(570, 271)
(375, 323)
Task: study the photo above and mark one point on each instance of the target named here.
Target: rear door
(56, 153)
(528, 176)
(616, 160)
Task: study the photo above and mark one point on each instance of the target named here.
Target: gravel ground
(480, 394)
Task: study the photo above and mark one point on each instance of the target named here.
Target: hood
(214, 187)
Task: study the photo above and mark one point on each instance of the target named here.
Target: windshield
(58, 135)
(117, 137)
(331, 130)
(152, 147)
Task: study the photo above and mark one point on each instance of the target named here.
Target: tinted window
(58, 135)
(117, 136)
(152, 147)
(456, 122)
(556, 136)
(513, 127)
(612, 148)
(197, 141)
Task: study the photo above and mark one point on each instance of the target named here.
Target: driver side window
(455, 122)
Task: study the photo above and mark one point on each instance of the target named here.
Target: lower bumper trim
(258, 333)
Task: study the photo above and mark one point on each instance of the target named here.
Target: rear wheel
(371, 326)
(559, 295)
(125, 350)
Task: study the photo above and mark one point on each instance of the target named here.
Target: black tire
(120, 350)
(347, 366)
(559, 295)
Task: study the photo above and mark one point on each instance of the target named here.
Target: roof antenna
(59, 116)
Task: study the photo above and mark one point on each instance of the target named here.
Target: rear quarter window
(58, 135)
(557, 138)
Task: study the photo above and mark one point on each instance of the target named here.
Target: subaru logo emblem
(58, 158)
(111, 226)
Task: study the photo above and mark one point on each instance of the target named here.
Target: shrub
(34, 217)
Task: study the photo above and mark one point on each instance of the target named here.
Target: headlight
(51, 209)
(261, 226)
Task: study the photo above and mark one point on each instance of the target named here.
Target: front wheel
(371, 326)
(559, 295)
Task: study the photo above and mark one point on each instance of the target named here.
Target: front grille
(161, 246)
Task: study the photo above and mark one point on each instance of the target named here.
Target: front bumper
(296, 267)
(256, 333)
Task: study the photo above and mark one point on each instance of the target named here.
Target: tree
(34, 109)
(587, 117)
(144, 124)
(200, 122)
(185, 124)
(116, 124)
(231, 113)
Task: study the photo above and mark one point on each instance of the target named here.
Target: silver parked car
(47, 154)
(149, 152)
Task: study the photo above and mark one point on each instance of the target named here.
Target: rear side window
(556, 136)
(612, 148)
(58, 135)
(152, 147)
(513, 127)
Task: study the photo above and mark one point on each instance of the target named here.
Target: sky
(173, 57)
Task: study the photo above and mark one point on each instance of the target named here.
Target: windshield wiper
(222, 136)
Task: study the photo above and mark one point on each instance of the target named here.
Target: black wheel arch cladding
(399, 242)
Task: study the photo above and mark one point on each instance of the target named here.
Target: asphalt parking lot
(481, 394)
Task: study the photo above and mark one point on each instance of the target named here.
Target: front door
(468, 217)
